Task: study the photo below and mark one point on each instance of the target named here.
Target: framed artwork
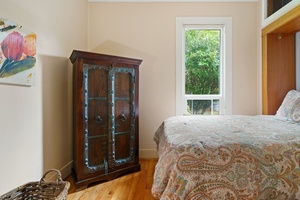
(17, 54)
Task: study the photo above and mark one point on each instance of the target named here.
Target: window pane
(202, 61)
(203, 107)
(199, 107)
(216, 106)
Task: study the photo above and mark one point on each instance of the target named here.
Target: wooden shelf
(288, 23)
(278, 60)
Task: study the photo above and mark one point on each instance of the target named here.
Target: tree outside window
(202, 67)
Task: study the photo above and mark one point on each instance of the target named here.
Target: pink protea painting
(17, 54)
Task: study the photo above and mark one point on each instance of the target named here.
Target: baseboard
(66, 170)
(148, 153)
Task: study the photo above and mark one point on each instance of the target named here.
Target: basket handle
(58, 174)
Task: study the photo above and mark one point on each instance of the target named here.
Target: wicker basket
(41, 190)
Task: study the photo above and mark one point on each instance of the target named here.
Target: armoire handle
(123, 117)
(98, 119)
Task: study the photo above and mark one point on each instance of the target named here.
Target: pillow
(296, 114)
(290, 105)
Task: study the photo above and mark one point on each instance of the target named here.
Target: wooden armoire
(105, 117)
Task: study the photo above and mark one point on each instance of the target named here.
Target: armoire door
(123, 120)
(95, 124)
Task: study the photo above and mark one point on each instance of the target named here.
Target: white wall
(35, 122)
(147, 31)
(259, 56)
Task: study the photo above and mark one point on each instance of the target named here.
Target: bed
(230, 156)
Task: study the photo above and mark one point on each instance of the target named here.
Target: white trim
(180, 71)
(148, 153)
(65, 171)
(180, 21)
(170, 1)
(195, 97)
(285, 9)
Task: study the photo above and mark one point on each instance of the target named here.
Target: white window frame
(225, 96)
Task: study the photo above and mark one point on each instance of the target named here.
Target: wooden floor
(135, 186)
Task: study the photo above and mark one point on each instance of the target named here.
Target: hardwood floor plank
(138, 187)
(135, 186)
(121, 191)
(151, 168)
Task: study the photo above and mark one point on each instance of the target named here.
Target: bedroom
(37, 129)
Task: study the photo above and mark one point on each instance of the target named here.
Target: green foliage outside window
(202, 65)
(202, 61)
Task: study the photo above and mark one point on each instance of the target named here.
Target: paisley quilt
(227, 157)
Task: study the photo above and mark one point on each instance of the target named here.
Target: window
(203, 65)
(275, 5)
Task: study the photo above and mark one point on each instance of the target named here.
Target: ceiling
(172, 1)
